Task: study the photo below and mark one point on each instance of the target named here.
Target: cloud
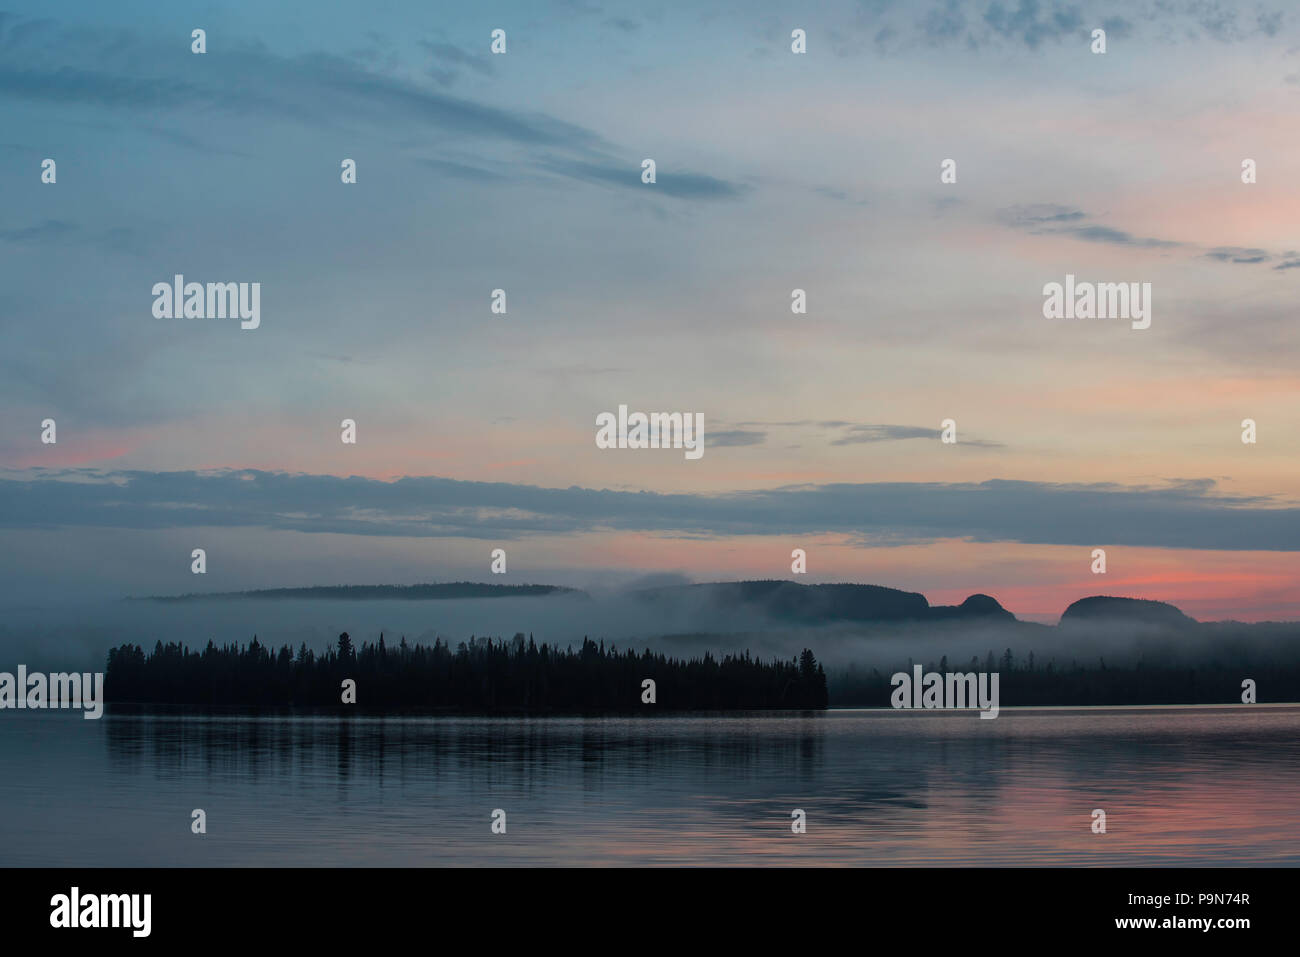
(858, 433)
(668, 183)
(185, 141)
(864, 434)
(830, 192)
(1036, 215)
(1181, 514)
(364, 91)
(123, 72)
(1118, 237)
(1049, 218)
(1117, 28)
(834, 424)
(48, 230)
(323, 90)
(462, 171)
(1028, 23)
(943, 23)
(1235, 254)
(1034, 24)
(116, 239)
(1052, 219)
(884, 433)
(449, 53)
(736, 437)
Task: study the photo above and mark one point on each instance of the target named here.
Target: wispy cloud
(736, 437)
(63, 66)
(463, 171)
(49, 230)
(1031, 23)
(668, 182)
(324, 90)
(856, 433)
(448, 57)
(1181, 514)
(859, 434)
(1041, 219)
(1236, 254)
(1048, 218)
(1034, 25)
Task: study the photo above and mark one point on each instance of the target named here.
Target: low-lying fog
(79, 635)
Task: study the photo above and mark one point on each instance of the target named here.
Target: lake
(1180, 785)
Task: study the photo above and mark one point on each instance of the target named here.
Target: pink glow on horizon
(1034, 582)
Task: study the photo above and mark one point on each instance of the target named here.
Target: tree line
(1028, 683)
(482, 675)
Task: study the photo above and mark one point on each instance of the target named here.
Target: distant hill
(779, 600)
(815, 604)
(976, 607)
(433, 592)
(1144, 611)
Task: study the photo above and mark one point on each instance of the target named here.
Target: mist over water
(79, 635)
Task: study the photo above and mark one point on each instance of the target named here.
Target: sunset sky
(775, 171)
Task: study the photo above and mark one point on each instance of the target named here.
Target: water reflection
(1190, 785)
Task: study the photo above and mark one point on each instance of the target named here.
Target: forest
(1025, 682)
(486, 676)
(481, 676)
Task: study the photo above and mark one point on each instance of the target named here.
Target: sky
(774, 171)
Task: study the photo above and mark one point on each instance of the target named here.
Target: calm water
(1206, 785)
